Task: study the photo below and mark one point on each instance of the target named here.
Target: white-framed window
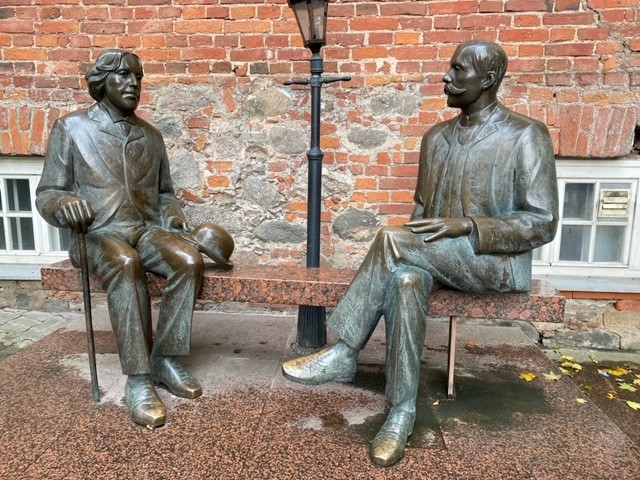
(26, 240)
(598, 238)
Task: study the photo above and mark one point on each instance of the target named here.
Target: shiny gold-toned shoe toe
(321, 367)
(142, 400)
(389, 444)
(168, 373)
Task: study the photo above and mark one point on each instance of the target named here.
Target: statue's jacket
(124, 176)
(503, 178)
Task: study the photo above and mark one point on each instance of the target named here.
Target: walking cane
(86, 293)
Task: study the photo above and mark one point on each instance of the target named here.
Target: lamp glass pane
(318, 14)
(301, 12)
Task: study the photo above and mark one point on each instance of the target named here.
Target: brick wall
(237, 137)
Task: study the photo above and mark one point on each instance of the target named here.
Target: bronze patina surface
(106, 177)
(486, 196)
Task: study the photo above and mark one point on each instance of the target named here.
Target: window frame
(598, 172)
(28, 168)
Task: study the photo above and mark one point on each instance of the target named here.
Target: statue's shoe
(168, 373)
(143, 402)
(324, 366)
(389, 444)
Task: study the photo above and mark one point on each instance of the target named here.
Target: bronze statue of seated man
(486, 196)
(106, 176)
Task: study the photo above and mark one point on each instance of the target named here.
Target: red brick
(573, 50)
(198, 27)
(526, 6)
(369, 52)
(484, 21)
(373, 24)
(524, 35)
(102, 27)
(247, 55)
(458, 7)
(403, 8)
(563, 5)
(396, 209)
(604, 4)
(593, 295)
(579, 18)
(242, 12)
(414, 53)
(416, 23)
(248, 26)
(398, 183)
(593, 33)
(16, 26)
(627, 305)
(491, 6)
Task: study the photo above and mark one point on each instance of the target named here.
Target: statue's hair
(488, 57)
(109, 61)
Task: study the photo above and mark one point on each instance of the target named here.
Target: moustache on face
(450, 89)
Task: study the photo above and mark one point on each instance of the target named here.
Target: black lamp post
(311, 16)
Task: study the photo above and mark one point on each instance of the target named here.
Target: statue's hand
(77, 213)
(176, 223)
(441, 227)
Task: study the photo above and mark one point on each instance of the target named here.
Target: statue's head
(475, 74)
(116, 79)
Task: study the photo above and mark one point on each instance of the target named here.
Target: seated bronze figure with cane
(106, 177)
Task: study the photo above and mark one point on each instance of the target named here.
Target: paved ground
(251, 423)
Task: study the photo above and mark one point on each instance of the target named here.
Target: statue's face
(462, 85)
(122, 87)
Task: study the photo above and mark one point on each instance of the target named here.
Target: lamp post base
(312, 328)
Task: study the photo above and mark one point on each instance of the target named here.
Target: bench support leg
(451, 364)
(312, 329)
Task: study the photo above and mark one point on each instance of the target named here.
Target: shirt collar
(477, 118)
(115, 117)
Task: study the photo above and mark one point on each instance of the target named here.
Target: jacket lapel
(106, 151)
(492, 124)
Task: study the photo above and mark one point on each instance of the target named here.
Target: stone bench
(297, 285)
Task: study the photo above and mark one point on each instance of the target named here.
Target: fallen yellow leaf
(566, 372)
(529, 377)
(568, 358)
(628, 387)
(574, 366)
(612, 395)
(618, 372)
(581, 401)
(552, 377)
(634, 405)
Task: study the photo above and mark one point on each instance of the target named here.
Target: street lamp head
(311, 16)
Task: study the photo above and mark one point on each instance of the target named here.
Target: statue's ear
(489, 80)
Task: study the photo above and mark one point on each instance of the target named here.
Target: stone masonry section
(237, 138)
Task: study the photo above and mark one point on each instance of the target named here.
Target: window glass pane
(59, 238)
(22, 234)
(536, 254)
(609, 243)
(574, 243)
(18, 195)
(578, 201)
(3, 242)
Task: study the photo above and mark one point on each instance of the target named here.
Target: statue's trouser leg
(406, 311)
(400, 264)
(121, 271)
(182, 265)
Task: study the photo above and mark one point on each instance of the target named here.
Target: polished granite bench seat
(297, 285)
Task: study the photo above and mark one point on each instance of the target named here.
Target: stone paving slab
(253, 423)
